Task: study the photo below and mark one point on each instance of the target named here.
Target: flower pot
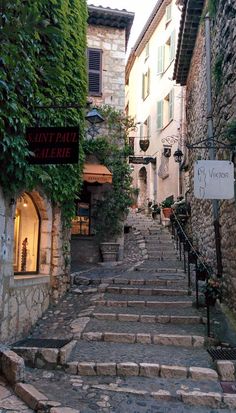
(109, 251)
(167, 212)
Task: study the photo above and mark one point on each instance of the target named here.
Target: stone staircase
(138, 343)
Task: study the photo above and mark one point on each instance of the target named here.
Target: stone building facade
(190, 70)
(33, 266)
(155, 102)
(107, 37)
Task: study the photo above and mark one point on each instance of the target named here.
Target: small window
(95, 72)
(165, 110)
(81, 222)
(168, 13)
(146, 84)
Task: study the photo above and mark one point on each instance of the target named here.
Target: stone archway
(142, 184)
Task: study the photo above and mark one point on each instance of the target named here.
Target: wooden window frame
(95, 72)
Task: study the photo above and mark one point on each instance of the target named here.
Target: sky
(142, 10)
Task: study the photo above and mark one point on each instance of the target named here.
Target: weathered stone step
(167, 269)
(145, 290)
(142, 303)
(144, 338)
(148, 318)
(146, 329)
(149, 311)
(129, 281)
(146, 297)
(140, 353)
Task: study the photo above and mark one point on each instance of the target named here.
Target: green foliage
(218, 71)
(167, 203)
(42, 63)
(112, 149)
(212, 7)
(230, 132)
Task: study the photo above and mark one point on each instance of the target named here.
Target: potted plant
(203, 271)
(166, 207)
(212, 289)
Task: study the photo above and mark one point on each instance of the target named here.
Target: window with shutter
(145, 84)
(160, 59)
(160, 114)
(172, 46)
(95, 72)
(168, 13)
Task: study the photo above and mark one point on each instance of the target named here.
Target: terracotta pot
(167, 212)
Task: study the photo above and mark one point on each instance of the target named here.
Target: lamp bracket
(169, 140)
(210, 143)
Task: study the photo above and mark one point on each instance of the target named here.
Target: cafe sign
(53, 145)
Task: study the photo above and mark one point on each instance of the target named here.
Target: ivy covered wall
(42, 63)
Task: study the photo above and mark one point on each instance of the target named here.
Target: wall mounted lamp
(178, 155)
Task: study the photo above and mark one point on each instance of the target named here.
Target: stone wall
(24, 297)
(112, 43)
(223, 65)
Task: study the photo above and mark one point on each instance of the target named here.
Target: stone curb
(12, 366)
(159, 339)
(162, 319)
(138, 291)
(130, 369)
(153, 304)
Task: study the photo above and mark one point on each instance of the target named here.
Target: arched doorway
(26, 235)
(142, 187)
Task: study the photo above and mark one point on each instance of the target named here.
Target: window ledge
(30, 280)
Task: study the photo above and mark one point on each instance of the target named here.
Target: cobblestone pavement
(139, 340)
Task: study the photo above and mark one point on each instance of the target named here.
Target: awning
(97, 173)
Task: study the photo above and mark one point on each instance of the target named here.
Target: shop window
(81, 222)
(26, 236)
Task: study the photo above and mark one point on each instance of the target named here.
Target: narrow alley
(136, 342)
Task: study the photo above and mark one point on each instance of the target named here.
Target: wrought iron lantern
(178, 154)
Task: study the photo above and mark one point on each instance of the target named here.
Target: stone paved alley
(137, 343)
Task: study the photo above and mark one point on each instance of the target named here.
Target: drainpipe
(212, 150)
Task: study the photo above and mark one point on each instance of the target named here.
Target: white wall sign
(214, 179)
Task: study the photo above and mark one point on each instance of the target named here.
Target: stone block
(136, 282)
(197, 398)
(226, 370)
(148, 318)
(129, 291)
(127, 369)
(72, 367)
(173, 371)
(164, 319)
(143, 338)
(121, 281)
(163, 395)
(113, 290)
(66, 350)
(149, 370)
(106, 369)
(29, 394)
(185, 319)
(92, 336)
(12, 366)
(63, 410)
(128, 317)
(201, 373)
(86, 369)
(198, 341)
(145, 291)
(105, 316)
(119, 337)
(172, 340)
(50, 355)
(230, 401)
(112, 303)
(136, 304)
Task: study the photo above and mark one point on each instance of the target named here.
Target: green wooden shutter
(172, 46)
(171, 104)
(168, 13)
(94, 71)
(160, 114)
(160, 59)
(143, 86)
(148, 82)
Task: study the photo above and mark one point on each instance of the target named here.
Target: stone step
(168, 312)
(149, 318)
(160, 256)
(166, 269)
(103, 351)
(142, 303)
(125, 281)
(143, 291)
(147, 331)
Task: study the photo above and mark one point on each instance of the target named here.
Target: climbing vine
(42, 63)
(112, 149)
